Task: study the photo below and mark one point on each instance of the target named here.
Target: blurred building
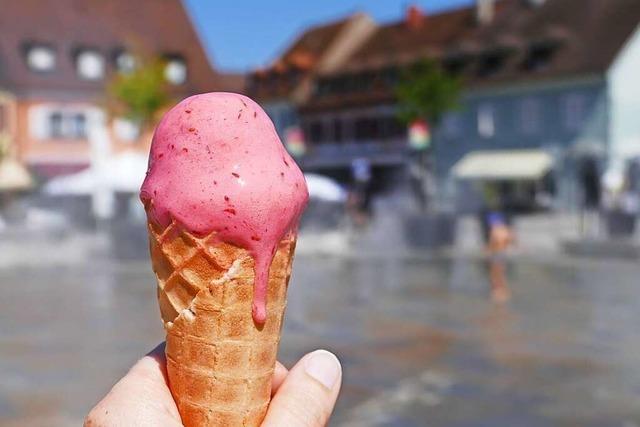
(56, 58)
(288, 83)
(555, 78)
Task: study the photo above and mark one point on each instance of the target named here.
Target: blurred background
(470, 250)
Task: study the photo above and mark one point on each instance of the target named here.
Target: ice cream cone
(220, 363)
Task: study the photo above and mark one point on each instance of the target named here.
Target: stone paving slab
(419, 340)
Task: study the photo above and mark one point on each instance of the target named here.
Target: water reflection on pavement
(419, 340)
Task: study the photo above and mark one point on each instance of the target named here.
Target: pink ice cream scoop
(217, 165)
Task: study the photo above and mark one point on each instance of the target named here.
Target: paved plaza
(419, 340)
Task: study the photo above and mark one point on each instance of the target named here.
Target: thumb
(308, 394)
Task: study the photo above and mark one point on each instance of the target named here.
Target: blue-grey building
(559, 79)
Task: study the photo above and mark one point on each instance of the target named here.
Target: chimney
(485, 11)
(414, 17)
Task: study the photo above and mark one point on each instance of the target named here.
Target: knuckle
(94, 418)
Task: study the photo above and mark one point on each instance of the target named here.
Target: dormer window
(176, 70)
(539, 56)
(90, 65)
(125, 62)
(41, 58)
(454, 65)
(491, 63)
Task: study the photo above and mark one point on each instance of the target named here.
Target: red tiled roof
(398, 42)
(590, 33)
(159, 26)
(296, 63)
(231, 82)
(586, 36)
(312, 44)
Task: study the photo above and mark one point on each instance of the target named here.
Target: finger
(308, 393)
(279, 374)
(140, 398)
(152, 367)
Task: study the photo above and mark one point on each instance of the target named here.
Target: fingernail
(324, 367)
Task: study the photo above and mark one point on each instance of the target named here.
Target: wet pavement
(419, 340)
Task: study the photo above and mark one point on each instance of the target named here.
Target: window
(323, 87)
(530, 113)
(63, 125)
(486, 121)
(64, 122)
(574, 111)
(390, 76)
(55, 125)
(367, 129)
(337, 130)
(391, 128)
(316, 131)
(454, 65)
(125, 62)
(176, 70)
(79, 126)
(361, 82)
(90, 65)
(491, 63)
(126, 130)
(41, 58)
(539, 56)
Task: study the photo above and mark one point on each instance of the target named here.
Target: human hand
(302, 397)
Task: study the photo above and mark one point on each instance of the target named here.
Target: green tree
(141, 94)
(426, 92)
(5, 143)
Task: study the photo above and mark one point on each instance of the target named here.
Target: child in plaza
(501, 237)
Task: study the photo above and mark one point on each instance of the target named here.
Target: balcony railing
(389, 152)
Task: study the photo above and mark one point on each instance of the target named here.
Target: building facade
(559, 76)
(288, 83)
(56, 59)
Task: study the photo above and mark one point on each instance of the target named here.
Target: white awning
(122, 173)
(324, 188)
(511, 165)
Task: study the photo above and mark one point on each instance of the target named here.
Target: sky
(243, 34)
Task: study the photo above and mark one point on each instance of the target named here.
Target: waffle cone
(219, 362)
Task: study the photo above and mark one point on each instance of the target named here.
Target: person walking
(501, 237)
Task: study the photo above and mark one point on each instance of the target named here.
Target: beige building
(57, 57)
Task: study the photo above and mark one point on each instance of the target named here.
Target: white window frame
(41, 58)
(85, 60)
(39, 119)
(486, 120)
(126, 130)
(176, 71)
(125, 62)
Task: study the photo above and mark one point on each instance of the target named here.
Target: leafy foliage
(426, 92)
(5, 143)
(141, 94)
